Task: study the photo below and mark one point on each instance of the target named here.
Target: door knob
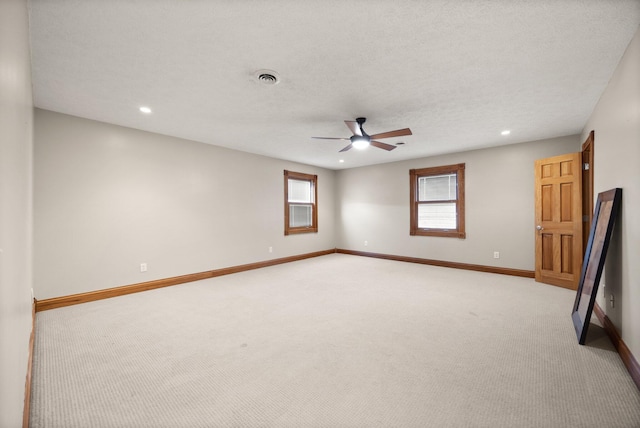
(539, 227)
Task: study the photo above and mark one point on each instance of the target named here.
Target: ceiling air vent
(267, 77)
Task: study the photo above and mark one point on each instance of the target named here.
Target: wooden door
(558, 216)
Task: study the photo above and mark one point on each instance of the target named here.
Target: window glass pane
(300, 215)
(437, 188)
(437, 216)
(299, 191)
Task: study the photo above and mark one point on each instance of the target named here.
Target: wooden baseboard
(466, 266)
(625, 353)
(74, 299)
(27, 384)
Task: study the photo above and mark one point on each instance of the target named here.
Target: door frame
(587, 187)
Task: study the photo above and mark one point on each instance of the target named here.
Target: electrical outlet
(366, 243)
(143, 267)
(611, 300)
(496, 254)
(271, 249)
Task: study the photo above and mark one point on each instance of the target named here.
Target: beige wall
(108, 198)
(616, 122)
(16, 124)
(373, 206)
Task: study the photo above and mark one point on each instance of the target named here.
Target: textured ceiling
(455, 72)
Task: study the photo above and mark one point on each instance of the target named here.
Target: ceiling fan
(361, 139)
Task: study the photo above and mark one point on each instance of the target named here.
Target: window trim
(414, 175)
(288, 230)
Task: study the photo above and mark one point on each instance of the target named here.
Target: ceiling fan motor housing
(363, 137)
(361, 121)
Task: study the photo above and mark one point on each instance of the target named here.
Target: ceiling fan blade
(396, 133)
(380, 145)
(354, 127)
(347, 148)
(331, 138)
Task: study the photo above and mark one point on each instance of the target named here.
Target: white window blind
(299, 191)
(437, 216)
(300, 215)
(437, 188)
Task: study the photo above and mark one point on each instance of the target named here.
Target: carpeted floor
(334, 341)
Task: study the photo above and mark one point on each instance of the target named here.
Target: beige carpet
(334, 341)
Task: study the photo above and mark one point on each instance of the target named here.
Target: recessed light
(341, 161)
(145, 110)
(505, 132)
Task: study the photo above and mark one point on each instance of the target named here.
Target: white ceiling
(456, 72)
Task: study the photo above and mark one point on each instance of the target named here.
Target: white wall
(616, 122)
(16, 124)
(373, 205)
(108, 198)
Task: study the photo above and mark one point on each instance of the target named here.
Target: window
(300, 203)
(437, 201)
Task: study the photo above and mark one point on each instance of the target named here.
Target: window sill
(440, 233)
(294, 231)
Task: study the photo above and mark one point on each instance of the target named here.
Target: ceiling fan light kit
(361, 140)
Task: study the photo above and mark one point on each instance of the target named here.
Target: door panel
(558, 206)
(566, 254)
